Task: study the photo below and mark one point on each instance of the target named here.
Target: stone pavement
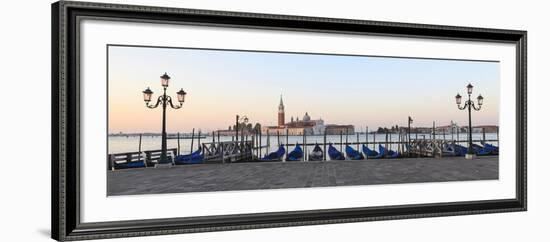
(273, 175)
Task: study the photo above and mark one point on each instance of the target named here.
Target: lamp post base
(470, 156)
(163, 165)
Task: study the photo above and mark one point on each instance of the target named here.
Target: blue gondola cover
(334, 154)
(275, 156)
(368, 152)
(353, 154)
(296, 154)
(193, 158)
(316, 154)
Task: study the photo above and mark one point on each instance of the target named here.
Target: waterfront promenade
(273, 175)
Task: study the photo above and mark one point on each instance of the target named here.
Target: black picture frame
(66, 224)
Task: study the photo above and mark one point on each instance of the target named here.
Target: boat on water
(480, 150)
(448, 150)
(353, 154)
(276, 155)
(388, 153)
(371, 154)
(316, 154)
(368, 152)
(392, 154)
(295, 155)
(493, 149)
(459, 150)
(334, 154)
(193, 158)
(455, 149)
(130, 164)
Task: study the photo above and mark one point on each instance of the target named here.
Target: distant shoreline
(203, 135)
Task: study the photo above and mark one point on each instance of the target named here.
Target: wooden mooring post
(222, 151)
(267, 143)
(358, 141)
(341, 140)
(254, 139)
(242, 135)
(260, 142)
(367, 140)
(178, 142)
(433, 131)
(139, 145)
(387, 140)
(192, 139)
(286, 143)
(367, 136)
(198, 141)
(374, 140)
(325, 145)
(304, 145)
(347, 132)
(398, 141)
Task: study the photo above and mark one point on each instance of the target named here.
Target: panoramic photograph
(204, 120)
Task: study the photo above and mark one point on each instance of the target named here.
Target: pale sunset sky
(358, 90)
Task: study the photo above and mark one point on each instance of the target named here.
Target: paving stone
(274, 175)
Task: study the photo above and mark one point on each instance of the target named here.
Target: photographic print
(219, 120)
(202, 120)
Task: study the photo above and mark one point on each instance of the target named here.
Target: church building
(300, 127)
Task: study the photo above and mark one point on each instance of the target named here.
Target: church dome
(306, 117)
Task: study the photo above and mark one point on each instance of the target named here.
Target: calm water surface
(120, 144)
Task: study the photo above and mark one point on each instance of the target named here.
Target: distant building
(448, 129)
(485, 128)
(297, 127)
(300, 127)
(225, 132)
(334, 129)
(281, 114)
(454, 128)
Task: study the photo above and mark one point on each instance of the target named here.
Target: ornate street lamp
(164, 100)
(469, 104)
(238, 120)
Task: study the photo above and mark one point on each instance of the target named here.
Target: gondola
(493, 149)
(353, 154)
(275, 156)
(379, 155)
(368, 152)
(295, 155)
(193, 158)
(385, 153)
(131, 164)
(480, 150)
(448, 150)
(392, 154)
(334, 154)
(316, 154)
(459, 150)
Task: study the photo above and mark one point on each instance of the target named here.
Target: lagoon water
(120, 144)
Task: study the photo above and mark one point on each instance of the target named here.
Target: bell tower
(281, 114)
